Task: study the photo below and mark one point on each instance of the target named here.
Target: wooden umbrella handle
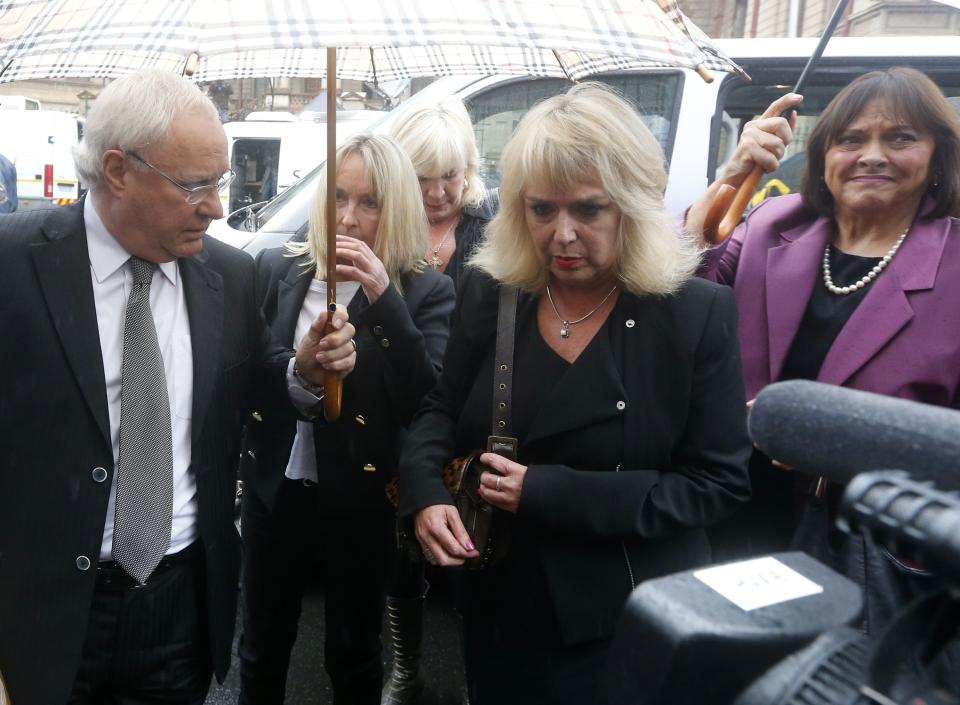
(718, 208)
(727, 208)
(332, 386)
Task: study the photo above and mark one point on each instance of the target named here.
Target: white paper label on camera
(758, 582)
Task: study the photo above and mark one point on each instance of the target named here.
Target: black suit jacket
(54, 430)
(400, 343)
(640, 445)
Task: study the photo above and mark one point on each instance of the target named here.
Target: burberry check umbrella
(370, 40)
(376, 39)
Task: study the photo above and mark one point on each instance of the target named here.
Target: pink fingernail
(470, 545)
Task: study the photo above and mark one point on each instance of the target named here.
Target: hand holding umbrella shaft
(325, 352)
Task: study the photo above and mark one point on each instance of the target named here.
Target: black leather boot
(405, 621)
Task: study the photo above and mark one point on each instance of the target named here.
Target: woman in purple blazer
(855, 281)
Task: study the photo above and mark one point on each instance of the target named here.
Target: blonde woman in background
(439, 140)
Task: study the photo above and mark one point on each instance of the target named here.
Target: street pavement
(307, 682)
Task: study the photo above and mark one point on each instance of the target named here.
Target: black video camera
(783, 629)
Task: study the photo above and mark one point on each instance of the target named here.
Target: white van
(40, 144)
(269, 152)
(18, 102)
(697, 123)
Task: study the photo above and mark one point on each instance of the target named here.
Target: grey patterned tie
(141, 534)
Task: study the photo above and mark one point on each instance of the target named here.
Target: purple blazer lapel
(886, 308)
(792, 271)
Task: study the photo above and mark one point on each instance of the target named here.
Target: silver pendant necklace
(564, 323)
(866, 278)
(434, 260)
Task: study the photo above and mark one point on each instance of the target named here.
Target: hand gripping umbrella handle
(332, 389)
(728, 204)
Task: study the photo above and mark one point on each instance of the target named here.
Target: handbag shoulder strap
(501, 438)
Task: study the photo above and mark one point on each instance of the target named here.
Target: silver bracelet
(315, 389)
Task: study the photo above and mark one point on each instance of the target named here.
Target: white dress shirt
(303, 456)
(112, 279)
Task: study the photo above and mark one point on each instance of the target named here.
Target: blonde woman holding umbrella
(317, 487)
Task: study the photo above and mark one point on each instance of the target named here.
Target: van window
(742, 102)
(496, 113)
(255, 162)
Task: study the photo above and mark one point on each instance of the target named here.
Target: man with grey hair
(134, 352)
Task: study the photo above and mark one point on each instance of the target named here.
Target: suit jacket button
(631, 323)
(257, 416)
(83, 563)
(621, 405)
(369, 468)
(360, 420)
(384, 342)
(99, 474)
(378, 330)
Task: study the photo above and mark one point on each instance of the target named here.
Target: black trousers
(147, 645)
(354, 554)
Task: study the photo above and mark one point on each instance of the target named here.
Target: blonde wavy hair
(402, 233)
(589, 133)
(439, 136)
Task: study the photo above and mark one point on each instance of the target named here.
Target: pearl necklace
(435, 260)
(866, 278)
(565, 324)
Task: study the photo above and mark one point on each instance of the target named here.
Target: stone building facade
(807, 18)
(70, 96)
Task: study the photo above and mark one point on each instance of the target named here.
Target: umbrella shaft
(331, 209)
(838, 13)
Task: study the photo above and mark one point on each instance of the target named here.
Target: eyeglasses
(195, 194)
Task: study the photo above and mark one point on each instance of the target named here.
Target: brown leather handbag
(487, 525)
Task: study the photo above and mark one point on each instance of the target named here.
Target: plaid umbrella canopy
(376, 39)
(369, 40)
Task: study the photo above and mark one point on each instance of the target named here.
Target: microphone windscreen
(834, 432)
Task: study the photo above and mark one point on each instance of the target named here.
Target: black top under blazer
(56, 432)
(664, 380)
(400, 344)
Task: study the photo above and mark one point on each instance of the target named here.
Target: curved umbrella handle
(718, 209)
(727, 208)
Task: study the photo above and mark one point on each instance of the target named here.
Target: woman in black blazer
(627, 401)
(313, 486)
